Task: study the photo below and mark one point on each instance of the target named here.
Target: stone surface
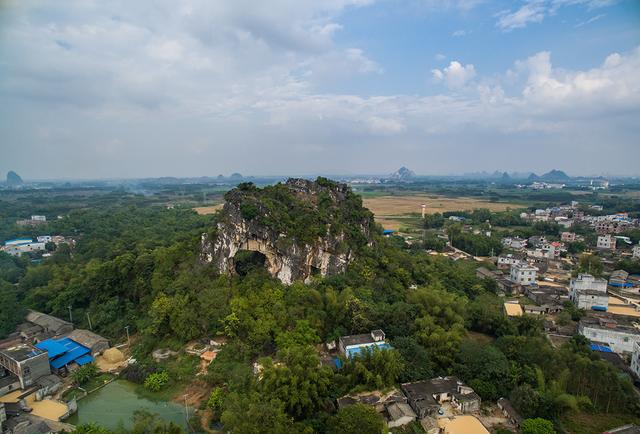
(287, 258)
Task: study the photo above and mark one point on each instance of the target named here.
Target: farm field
(206, 210)
(394, 212)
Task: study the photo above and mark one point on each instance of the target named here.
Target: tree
(298, 381)
(84, 374)
(12, 312)
(373, 369)
(253, 414)
(416, 360)
(537, 426)
(216, 401)
(156, 381)
(356, 419)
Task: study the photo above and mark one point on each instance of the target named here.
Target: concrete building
(399, 414)
(636, 251)
(606, 242)
(510, 412)
(588, 292)
(426, 397)
(567, 237)
(26, 362)
(51, 325)
(23, 245)
(524, 274)
(621, 338)
(635, 359)
(96, 343)
(351, 346)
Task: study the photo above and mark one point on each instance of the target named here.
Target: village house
(588, 292)
(636, 251)
(635, 359)
(568, 237)
(509, 412)
(523, 274)
(426, 397)
(606, 242)
(618, 335)
(26, 362)
(351, 346)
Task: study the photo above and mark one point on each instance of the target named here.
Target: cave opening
(247, 261)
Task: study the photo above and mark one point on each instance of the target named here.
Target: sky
(123, 89)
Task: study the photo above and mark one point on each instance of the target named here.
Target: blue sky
(190, 88)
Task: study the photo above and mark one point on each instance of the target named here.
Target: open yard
(392, 212)
(205, 210)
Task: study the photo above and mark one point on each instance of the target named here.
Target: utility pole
(186, 410)
(70, 315)
(89, 319)
(128, 339)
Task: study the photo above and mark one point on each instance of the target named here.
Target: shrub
(156, 381)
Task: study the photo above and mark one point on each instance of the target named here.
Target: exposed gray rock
(287, 258)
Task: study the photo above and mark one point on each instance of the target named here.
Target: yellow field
(206, 210)
(390, 209)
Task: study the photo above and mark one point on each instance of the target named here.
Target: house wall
(620, 341)
(34, 368)
(587, 301)
(635, 359)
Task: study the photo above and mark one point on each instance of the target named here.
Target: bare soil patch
(206, 210)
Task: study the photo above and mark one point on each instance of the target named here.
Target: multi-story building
(26, 362)
(636, 251)
(606, 242)
(568, 237)
(524, 274)
(588, 292)
(635, 359)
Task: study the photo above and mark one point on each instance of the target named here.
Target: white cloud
(456, 75)
(535, 11)
(532, 12)
(459, 33)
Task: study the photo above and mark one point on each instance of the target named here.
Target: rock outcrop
(303, 228)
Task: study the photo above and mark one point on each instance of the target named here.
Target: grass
(182, 371)
(597, 423)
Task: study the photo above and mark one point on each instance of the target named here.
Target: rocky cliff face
(303, 228)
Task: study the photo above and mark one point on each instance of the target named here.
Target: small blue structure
(64, 351)
(601, 348)
(18, 241)
(387, 231)
(599, 308)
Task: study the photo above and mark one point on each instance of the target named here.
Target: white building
(606, 242)
(636, 251)
(588, 292)
(45, 238)
(508, 259)
(20, 246)
(516, 243)
(524, 274)
(621, 339)
(635, 359)
(39, 218)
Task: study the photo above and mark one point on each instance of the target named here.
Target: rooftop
(21, 352)
(513, 309)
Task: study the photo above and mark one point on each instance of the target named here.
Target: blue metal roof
(601, 348)
(387, 231)
(83, 360)
(53, 347)
(64, 351)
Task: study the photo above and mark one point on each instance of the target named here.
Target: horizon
(123, 91)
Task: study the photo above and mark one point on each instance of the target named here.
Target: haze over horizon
(196, 88)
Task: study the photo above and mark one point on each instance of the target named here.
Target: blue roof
(64, 351)
(387, 231)
(601, 348)
(351, 352)
(83, 360)
(53, 347)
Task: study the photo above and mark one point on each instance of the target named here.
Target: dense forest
(137, 266)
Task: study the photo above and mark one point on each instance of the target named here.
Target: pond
(117, 402)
